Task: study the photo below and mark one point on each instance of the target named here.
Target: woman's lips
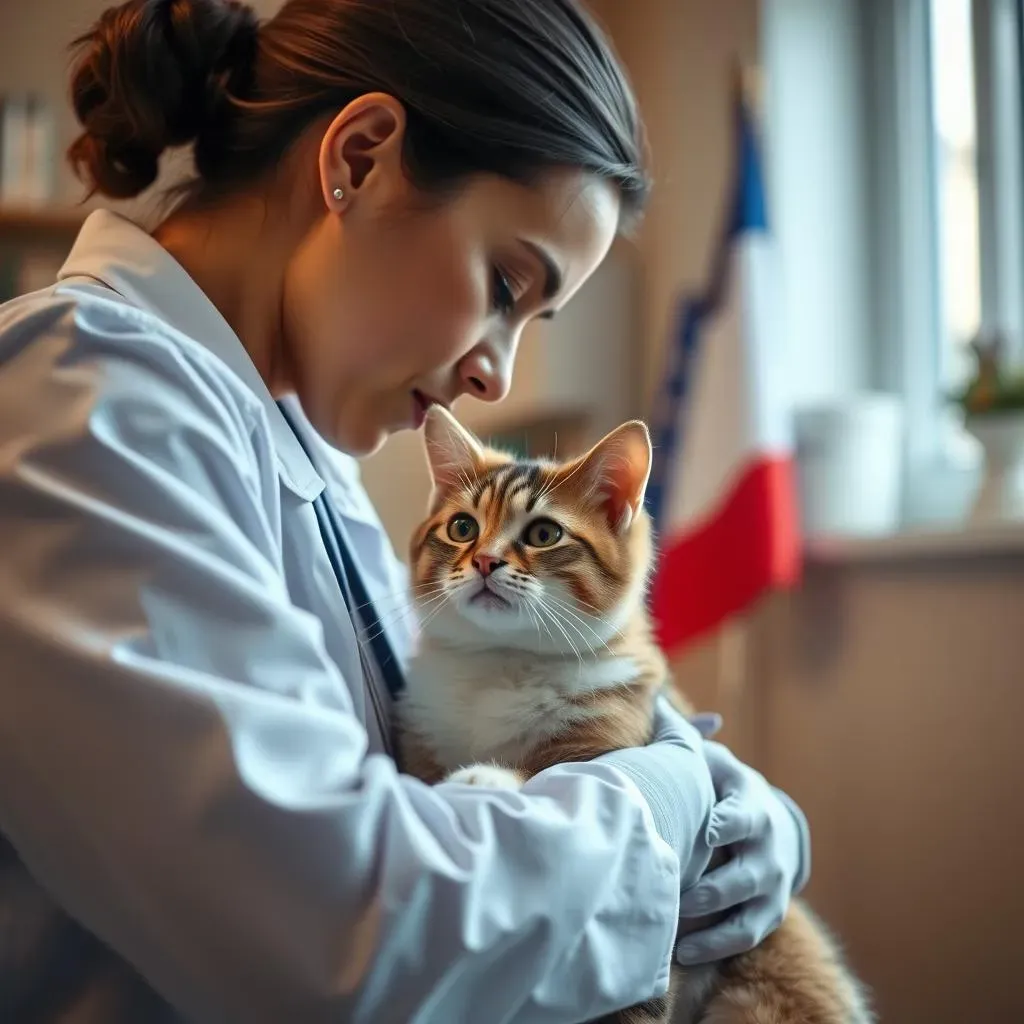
(420, 405)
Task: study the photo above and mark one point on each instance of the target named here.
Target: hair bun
(152, 74)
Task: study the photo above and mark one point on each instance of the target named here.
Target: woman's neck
(237, 251)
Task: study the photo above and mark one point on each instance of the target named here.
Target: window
(948, 228)
(955, 177)
(896, 177)
(975, 92)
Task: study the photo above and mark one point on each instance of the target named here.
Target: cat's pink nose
(486, 564)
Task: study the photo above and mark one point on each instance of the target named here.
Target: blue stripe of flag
(747, 212)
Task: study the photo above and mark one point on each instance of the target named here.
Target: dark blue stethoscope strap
(383, 653)
(350, 581)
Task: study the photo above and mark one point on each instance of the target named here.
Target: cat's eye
(542, 533)
(462, 528)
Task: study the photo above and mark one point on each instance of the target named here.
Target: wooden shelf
(966, 540)
(60, 223)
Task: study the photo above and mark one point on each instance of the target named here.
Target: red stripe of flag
(749, 543)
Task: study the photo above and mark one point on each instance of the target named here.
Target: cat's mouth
(485, 597)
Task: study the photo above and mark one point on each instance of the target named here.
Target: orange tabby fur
(590, 586)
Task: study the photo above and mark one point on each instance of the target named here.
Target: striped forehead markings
(508, 481)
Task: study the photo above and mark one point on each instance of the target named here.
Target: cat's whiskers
(412, 608)
(399, 595)
(411, 600)
(445, 598)
(561, 615)
(426, 595)
(568, 609)
(519, 583)
(587, 608)
(425, 602)
(395, 615)
(535, 618)
(428, 603)
(552, 613)
(539, 621)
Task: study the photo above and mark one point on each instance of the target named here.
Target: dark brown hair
(512, 87)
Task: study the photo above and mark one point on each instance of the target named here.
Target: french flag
(722, 490)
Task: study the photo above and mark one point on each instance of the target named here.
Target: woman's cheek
(459, 320)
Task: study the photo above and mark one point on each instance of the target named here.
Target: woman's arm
(171, 770)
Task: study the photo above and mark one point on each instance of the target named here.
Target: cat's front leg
(488, 776)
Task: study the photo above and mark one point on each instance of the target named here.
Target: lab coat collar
(119, 254)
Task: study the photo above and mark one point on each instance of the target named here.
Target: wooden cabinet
(887, 697)
(34, 243)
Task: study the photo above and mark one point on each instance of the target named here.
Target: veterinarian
(200, 818)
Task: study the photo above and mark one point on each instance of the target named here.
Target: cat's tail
(796, 975)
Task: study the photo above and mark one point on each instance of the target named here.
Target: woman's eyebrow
(553, 277)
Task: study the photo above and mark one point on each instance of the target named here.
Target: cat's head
(538, 555)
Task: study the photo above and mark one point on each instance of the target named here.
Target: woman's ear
(454, 455)
(361, 151)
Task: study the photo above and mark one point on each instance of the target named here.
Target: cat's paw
(488, 776)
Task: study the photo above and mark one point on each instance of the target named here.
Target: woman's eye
(503, 299)
(462, 529)
(542, 534)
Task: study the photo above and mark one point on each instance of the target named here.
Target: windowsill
(924, 543)
(936, 526)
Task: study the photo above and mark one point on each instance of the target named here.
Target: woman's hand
(766, 838)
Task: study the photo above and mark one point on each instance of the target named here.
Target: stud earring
(339, 193)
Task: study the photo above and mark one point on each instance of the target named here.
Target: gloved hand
(707, 723)
(674, 776)
(767, 839)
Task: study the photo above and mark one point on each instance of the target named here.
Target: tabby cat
(536, 649)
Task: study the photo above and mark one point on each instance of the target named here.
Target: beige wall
(679, 54)
(888, 698)
(34, 57)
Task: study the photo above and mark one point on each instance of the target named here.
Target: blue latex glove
(766, 837)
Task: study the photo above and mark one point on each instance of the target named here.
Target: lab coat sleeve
(181, 768)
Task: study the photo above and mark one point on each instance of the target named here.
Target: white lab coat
(190, 765)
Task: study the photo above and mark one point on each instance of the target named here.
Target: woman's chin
(364, 449)
(360, 440)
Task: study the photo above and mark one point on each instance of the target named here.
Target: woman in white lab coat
(199, 816)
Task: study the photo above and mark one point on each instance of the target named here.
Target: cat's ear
(453, 453)
(613, 474)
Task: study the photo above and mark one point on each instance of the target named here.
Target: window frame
(997, 28)
(941, 463)
(905, 236)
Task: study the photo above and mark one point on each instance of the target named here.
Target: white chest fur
(475, 706)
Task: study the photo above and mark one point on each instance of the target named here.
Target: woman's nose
(486, 373)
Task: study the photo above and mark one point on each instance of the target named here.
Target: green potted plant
(993, 407)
